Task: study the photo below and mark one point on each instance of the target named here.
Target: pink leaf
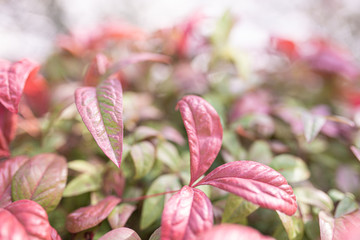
(37, 94)
(24, 219)
(8, 169)
(204, 132)
(187, 214)
(347, 227)
(97, 68)
(101, 110)
(121, 234)
(254, 182)
(54, 234)
(356, 152)
(88, 217)
(8, 122)
(12, 80)
(233, 232)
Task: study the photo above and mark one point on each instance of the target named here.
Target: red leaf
(101, 111)
(8, 121)
(204, 132)
(54, 234)
(12, 80)
(187, 214)
(254, 182)
(8, 169)
(97, 68)
(24, 219)
(88, 217)
(37, 95)
(347, 227)
(233, 232)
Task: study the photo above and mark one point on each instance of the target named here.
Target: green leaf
(292, 168)
(82, 166)
(347, 205)
(314, 197)
(82, 184)
(153, 207)
(120, 214)
(237, 209)
(169, 155)
(143, 132)
(260, 151)
(41, 179)
(156, 234)
(222, 29)
(293, 225)
(312, 125)
(143, 156)
(233, 146)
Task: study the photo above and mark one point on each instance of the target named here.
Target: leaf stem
(147, 196)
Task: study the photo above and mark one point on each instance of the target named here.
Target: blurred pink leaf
(88, 217)
(204, 130)
(24, 219)
(101, 110)
(173, 135)
(37, 95)
(312, 125)
(41, 179)
(233, 232)
(187, 214)
(8, 122)
(121, 234)
(96, 69)
(254, 182)
(54, 234)
(8, 169)
(356, 152)
(347, 227)
(13, 77)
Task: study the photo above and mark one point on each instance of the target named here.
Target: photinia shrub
(91, 147)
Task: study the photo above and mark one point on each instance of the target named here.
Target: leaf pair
(188, 213)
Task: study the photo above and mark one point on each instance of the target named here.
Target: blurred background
(29, 28)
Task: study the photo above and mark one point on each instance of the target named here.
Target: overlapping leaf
(120, 214)
(187, 214)
(26, 220)
(87, 217)
(101, 110)
(233, 232)
(237, 209)
(41, 179)
(96, 69)
(8, 169)
(204, 131)
(121, 234)
(8, 121)
(12, 81)
(347, 227)
(254, 182)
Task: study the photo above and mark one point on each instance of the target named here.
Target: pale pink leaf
(347, 227)
(356, 152)
(187, 214)
(12, 81)
(101, 110)
(204, 130)
(24, 219)
(8, 169)
(90, 216)
(121, 234)
(140, 57)
(254, 182)
(233, 232)
(326, 223)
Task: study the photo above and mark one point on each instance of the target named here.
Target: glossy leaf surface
(254, 182)
(121, 234)
(204, 130)
(233, 232)
(12, 81)
(24, 219)
(41, 179)
(8, 169)
(187, 214)
(101, 111)
(87, 217)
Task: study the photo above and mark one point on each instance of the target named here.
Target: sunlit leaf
(121, 234)
(41, 179)
(83, 166)
(143, 156)
(8, 169)
(101, 110)
(88, 217)
(187, 214)
(204, 131)
(254, 182)
(237, 209)
(293, 225)
(153, 206)
(347, 205)
(326, 223)
(120, 214)
(82, 184)
(142, 133)
(292, 168)
(24, 219)
(314, 197)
